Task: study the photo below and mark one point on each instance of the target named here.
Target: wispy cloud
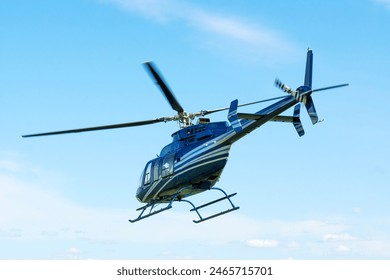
(9, 165)
(262, 243)
(343, 248)
(71, 253)
(293, 245)
(385, 3)
(338, 237)
(223, 27)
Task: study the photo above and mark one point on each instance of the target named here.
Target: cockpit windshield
(156, 169)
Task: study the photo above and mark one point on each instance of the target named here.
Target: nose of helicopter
(139, 194)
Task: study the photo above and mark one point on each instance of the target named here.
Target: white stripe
(211, 144)
(201, 159)
(232, 113)
(193, 153)
(182, 169)
(182, 162)
(196, 166)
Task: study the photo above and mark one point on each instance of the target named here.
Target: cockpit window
(148, 170)
(156, 169)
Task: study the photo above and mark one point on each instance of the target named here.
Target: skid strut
(151, 206)
(175, 197)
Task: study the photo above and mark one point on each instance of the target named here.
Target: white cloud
(262, 243)
(159, 10)
(293, 245)
(33, 213)
(73, 250)
(51, 216)
(220, 26)
(338, 237)
(313, 228)
(343, 248)
(236, 29)
(71, 253)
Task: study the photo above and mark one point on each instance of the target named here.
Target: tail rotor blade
(279, 84)
(311, 110)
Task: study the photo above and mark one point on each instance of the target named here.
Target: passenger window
(167, 165)
(156, 167)
(147, 173)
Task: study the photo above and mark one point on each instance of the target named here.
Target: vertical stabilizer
(309, 69)
(311, 110)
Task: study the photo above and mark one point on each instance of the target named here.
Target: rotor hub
(185, 119)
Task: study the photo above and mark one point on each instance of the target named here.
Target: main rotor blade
(207, 112)
(264, 100)
(139, 123)
(164, 88)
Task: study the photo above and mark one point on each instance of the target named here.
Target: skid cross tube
(212, 202)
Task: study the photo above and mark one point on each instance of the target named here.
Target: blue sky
(70, 64)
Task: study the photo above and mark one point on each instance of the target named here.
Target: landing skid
(176, 196)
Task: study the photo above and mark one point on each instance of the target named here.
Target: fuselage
(197, 156)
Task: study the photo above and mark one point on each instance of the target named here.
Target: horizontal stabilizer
(247, 116)
(295, 120)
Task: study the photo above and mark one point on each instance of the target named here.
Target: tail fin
(311, 110)
(306, 89)
(309, 69)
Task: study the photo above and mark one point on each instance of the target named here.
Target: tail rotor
(303, 93)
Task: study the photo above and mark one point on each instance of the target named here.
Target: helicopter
(193, 162)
